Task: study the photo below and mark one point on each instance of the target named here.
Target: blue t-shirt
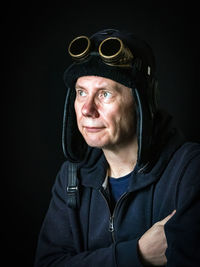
(118, 186)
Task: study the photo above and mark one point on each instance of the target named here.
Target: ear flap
(153, 94)
(144, 127)
(74, 146)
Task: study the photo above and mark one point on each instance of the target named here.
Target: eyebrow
(101, 87)
(79, 87)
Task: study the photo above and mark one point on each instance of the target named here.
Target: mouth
(93, 129)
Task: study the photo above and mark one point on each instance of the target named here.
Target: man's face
(105, 112)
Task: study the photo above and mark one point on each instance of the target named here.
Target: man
(129, 192)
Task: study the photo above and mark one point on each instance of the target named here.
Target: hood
(167, 139)
(139, 76)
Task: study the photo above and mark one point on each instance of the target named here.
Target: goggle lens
(79, 47)
(110, 47)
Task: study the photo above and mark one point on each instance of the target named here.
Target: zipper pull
(111, 225)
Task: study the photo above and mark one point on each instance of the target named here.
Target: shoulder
(66, 178)
(189, 147)
(187, 160)
(182, 170)
(64, 169)
(187, 153)
(185, 156)
(188, 164)
(61, 178)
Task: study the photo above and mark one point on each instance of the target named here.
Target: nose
(90, 109)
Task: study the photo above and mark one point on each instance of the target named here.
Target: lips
(93, 129)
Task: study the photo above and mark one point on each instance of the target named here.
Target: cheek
(129, 120)
(126, 116)
(77, 109)
(77, 113)
(111, 117)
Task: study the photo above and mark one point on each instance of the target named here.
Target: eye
(81, 93)
(106, 95)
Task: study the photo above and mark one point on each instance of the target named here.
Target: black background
(34, 41)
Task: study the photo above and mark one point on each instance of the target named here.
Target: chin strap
(72, 186)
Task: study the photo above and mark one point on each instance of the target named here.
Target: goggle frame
(112, 51)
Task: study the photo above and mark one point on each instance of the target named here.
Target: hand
(153, 244)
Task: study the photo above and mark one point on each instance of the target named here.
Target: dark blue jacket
(95, 235)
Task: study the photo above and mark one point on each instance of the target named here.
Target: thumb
(166, 219)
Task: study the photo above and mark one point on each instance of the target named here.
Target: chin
(96, 140)
(96, 143)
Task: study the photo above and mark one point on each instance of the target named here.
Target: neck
(121, 160)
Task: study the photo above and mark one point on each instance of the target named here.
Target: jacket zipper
(111, 227)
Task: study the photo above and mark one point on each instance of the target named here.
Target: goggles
(112, 51)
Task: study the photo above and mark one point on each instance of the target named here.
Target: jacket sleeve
(183, 230)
